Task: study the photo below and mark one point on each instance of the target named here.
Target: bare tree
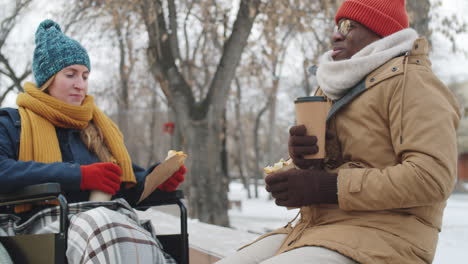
(123, 25)
(201, 120)
(239, 137)
(136, 93)
(277, 33)
(284, 23)
(418, 12)
(7, 23)
(117, 18)
(423, 12)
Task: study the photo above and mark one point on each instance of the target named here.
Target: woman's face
(70, 84)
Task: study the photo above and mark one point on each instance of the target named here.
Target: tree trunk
(201, 122)
(306, 75)
(152, 132)
(208, 196)
(418, 12)
(272, 120)
(224, 151)
(278, 52)
(177, 141)
(239, 135)
(258, 171)
(124, 73)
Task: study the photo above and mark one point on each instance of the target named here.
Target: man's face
(349, 38)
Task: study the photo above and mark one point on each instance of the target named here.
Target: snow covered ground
(453, 240)
(261, 215)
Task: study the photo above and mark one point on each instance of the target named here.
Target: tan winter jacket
(395, 153)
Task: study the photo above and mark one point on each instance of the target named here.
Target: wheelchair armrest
(40, 192)
(31, 193)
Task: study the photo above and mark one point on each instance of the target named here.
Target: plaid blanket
(99, 232)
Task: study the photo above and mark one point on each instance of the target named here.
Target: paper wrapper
(162, 172)
(280, 166)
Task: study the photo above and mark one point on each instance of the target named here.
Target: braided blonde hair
(94, 141)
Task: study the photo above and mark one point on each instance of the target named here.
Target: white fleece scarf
(335, 78)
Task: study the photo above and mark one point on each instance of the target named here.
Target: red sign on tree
(169, 128)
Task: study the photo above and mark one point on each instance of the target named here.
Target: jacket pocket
(358, 173)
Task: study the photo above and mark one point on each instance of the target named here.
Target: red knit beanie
(384, 17)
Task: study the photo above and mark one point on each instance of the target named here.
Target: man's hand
(297, 187)
(300, 145)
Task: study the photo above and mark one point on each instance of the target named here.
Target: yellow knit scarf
(40, 113)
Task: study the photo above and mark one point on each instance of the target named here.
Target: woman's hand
(103, 176)
(173, 182)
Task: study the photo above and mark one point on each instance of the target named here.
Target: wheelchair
(51, 248)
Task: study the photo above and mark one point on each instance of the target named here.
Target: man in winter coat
(391, 151)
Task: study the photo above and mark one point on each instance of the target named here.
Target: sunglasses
(344, 27)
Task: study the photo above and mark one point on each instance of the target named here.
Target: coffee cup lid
(310, 99)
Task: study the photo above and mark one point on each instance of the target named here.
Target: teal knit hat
(55, 51)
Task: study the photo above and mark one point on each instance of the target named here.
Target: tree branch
(232, 52)
(9, 22)
(161, 52)
(173, 38)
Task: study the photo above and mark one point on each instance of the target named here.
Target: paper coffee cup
(312, 112)
(99, 196)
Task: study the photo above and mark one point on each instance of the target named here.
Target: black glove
(299, 145)
(296, 187)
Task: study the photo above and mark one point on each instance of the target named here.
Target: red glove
(173, 182)
(103, 176)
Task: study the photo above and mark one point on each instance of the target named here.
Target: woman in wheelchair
(59, 135)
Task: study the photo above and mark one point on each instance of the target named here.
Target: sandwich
(279, 166)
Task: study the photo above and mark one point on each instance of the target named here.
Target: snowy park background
(254, 216)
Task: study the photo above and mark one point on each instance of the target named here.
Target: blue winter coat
(15, 174)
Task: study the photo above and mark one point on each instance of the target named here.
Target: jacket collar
(418, 55)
